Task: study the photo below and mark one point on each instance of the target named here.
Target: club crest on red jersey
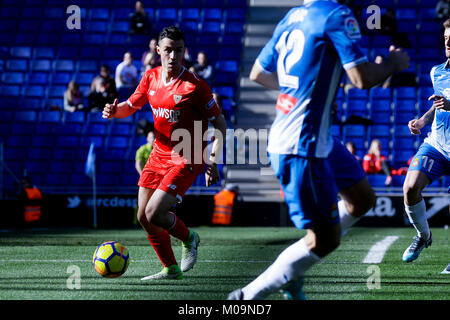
(177, 98)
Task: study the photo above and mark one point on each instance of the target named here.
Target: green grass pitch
(35, 264)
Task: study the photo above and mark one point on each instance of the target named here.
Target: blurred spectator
(187, 58)
(73, 98)
(389, 27)
(352, 149)
(126, 72)
(31, 197)
(150, 58)
(103, 90)
(143, 153)
(203, 68)
(443, 10)
(139, 20)
(374, 162)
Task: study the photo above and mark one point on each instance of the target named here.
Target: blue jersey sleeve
(343, 30)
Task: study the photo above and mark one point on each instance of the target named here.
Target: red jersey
(184, 103)
(372, 164)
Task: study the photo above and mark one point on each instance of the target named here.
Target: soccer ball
(111, 259)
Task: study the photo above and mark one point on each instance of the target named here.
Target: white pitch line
(376, 253)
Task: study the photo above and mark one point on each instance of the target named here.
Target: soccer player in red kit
(181, 102)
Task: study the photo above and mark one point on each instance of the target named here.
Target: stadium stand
(39, 56)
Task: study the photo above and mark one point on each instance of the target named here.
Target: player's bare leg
(415, 208)
(355, 202)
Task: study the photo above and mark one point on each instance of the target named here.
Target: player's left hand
(440, 102)
(212, 175)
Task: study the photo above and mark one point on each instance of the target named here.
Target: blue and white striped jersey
(309, 49)
(439, 137)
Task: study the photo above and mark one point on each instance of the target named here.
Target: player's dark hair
(173, 33)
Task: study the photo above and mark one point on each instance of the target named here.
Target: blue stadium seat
(95, 117)
(80, 179)
(43, 141)
(118, 142)
(405, 93)
(96, 129)
(15, 154)
(189, 14)
(52, 179)
(108, 180)
(17, 65)
(121, 13)
(404, 105)
(87, 65)
(231, 40)
(401, 130)
(212, 27)
(110, 167)
(62, 78)
(400, 156)
(206, 40)
(8, 12)
(233, 27)
(36, 166)
(406, 14)
(166, 14)
(21, 52)
(211, 14)
(120, 26)
(71, 38)
(49, 39)
(10, 90)
(121, 129)
(189, 26)
(231, 14)
(379, 105)
(67, 141)
(379, 130)
(50, 116)
(54, 13)
(68, 52)
(18, 141)
(403, 117)
(355, 93)
(74, 117)
(7, 25)
(93, 38)
(354, 130)
(30, 103)
(86, 141)
(99, 14)
(63, 65)
(96, 26)
(227, 66)
(56, 91)
(38, 78)
(52, 25)
(230, 53)
(34, 91)
(64, 154)
(84, 78)
(225, 91)
(22, 128)
(13, 77)
(376, 180)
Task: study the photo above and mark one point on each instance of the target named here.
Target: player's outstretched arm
(367, 75)
(117, 110)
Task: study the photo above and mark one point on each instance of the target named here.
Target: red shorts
(172, 177)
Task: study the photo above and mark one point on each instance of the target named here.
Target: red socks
(160, 240)
(163, 248)
(179, 229)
